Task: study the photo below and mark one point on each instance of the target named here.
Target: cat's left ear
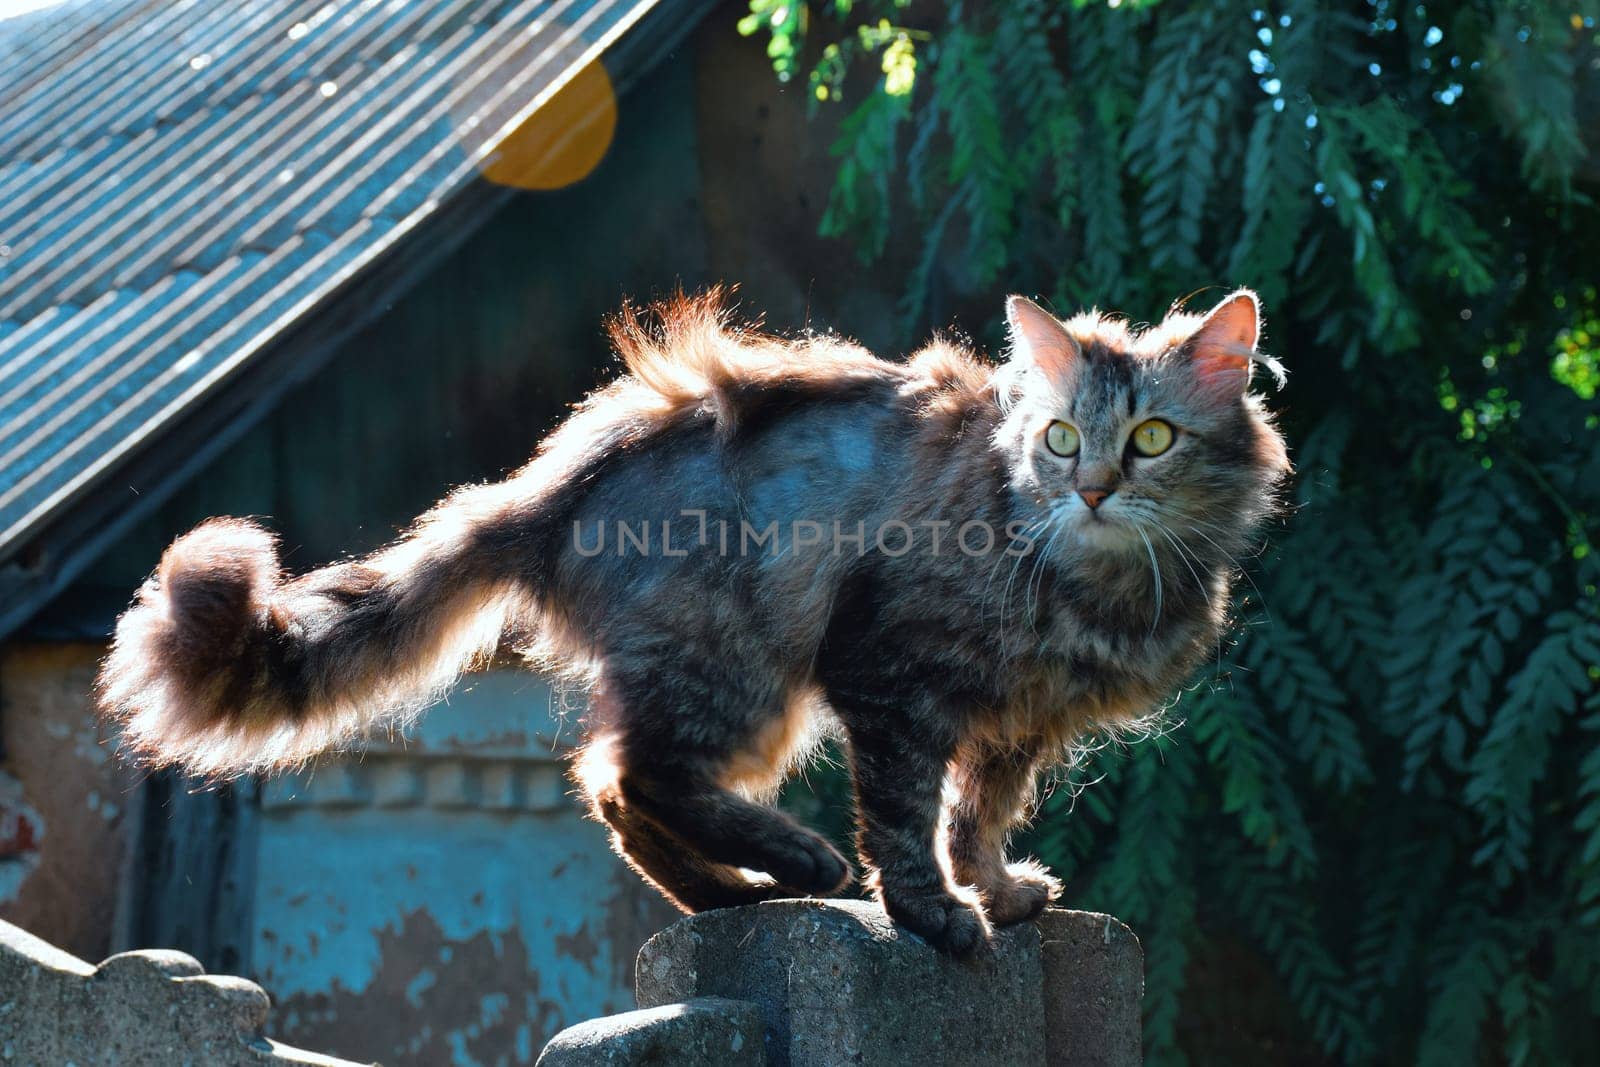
(1223, 349)
(1039, 340)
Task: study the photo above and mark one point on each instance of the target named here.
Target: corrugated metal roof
(182, 181)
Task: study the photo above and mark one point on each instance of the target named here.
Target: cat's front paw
(1026, 891)
(945, 921)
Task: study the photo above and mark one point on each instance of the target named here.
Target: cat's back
(713, 416)
(794, 455)
(736, 481)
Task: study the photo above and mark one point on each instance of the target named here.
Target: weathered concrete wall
(137, 1009)
(440, 898)
(835, 982)
(67, 808)
(437, 899)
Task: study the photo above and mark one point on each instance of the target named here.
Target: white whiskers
(1237, 564)
(1156, 568)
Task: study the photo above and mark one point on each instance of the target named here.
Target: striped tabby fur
(956, 676)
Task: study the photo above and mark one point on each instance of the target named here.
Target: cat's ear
(1038, 340)
(1222, 350)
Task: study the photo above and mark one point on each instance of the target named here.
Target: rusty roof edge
(40, 561)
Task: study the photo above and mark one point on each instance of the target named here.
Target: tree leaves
(1388, 782)
(1174, 144)
(1148, 876)
(1515, 752)
(1274, 204)
(980, 170)
(1467, 969)
(1269, 903)
(858, 207)
(1529, 60)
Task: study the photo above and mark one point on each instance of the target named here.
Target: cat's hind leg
(681, 741)
(667, 862)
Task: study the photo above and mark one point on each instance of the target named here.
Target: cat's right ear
(1039, 340)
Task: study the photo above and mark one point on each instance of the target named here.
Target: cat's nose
(1094, 496)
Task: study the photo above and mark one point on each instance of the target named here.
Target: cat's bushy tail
(224, 665)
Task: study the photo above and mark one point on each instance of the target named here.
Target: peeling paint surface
(441, 899)
(21, 834)
(64, 799)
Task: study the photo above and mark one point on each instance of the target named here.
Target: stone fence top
(791, 983)
(811, 983)
(137, 1009)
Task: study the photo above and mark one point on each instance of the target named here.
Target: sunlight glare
(12, 8)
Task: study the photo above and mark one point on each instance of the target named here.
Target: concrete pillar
(834, 982)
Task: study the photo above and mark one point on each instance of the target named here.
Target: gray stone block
(838, 983)
(705, 1030)
(137, 1009)
(1093, 983)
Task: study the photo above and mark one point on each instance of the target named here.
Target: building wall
(68, 808)
(435, 902)
(439, 900)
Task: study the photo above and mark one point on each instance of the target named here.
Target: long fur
(224, 665)
(712, 668)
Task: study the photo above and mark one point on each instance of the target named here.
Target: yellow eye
(1152, 437)
(1061, 439)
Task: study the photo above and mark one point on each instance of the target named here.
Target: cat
(963, 567)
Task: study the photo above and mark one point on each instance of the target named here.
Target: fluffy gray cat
(965, 567)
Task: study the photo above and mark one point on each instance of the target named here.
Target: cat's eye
(1061, 439)
(1152, 437)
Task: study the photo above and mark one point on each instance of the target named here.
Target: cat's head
(1119, 435)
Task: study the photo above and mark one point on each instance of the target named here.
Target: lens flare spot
(563, 141)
